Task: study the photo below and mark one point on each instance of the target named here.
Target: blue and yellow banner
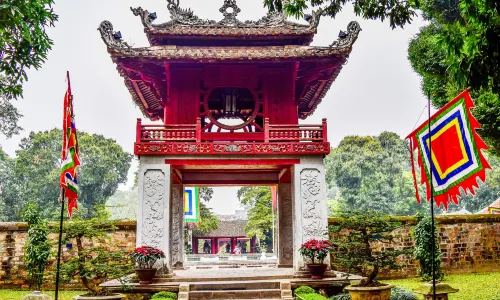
(191, 205)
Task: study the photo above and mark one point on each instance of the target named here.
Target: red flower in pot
(145, 257)
(316, 251)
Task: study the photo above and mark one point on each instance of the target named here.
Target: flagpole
(433, 242)
(60, 244)
(61, 217)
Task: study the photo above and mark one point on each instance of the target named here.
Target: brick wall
(13, 236)
(469, 243)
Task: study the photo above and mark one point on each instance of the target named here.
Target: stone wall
(469, 243)
(13, 236)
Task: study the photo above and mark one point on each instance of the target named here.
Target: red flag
(450, 152)
(69, 155)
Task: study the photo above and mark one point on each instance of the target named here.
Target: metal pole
(433, 242)
(60, 244)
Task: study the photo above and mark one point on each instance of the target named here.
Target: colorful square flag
(450, 153)
(191, 205)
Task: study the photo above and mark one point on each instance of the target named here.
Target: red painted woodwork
(237, 162)
(192, 132)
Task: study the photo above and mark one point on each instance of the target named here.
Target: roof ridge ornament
(184, 16)
(146, 17)
(113, 39)
(347, 39)
(230, 16)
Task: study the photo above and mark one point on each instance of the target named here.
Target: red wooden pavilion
(229, 95)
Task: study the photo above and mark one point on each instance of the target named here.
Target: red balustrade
(193, 133)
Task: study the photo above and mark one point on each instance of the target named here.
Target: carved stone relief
(285, 225)
(176, 227)
(310, 187)
(153, 208)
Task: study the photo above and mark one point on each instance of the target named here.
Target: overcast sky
(376, 90)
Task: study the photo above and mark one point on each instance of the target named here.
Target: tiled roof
(232, 228)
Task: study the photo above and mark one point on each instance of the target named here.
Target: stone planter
(317, 270)
(107, 297)
(370, 293)
(145, 275)
(36, 295)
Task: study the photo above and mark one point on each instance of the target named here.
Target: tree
(423, 248)
(372, 173)
(460, 48)
(354, 237)
(10, 204)
(9, 116)
(23, 41)
(36, 172)
(208, 221)
(95, 262)
(399, 13)
(258, 203)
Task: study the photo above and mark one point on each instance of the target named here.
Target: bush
(341, 297)
(302, 290)
(398, 293)
(164, 296)
(423, 249)
(312, 297)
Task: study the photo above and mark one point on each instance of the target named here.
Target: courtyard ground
(481, 286)
(17, 295)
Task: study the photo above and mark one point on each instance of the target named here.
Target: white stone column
(153, 215)
(177, 227)
(285, 226)
(310, 208)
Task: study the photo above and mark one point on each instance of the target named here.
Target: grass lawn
(17, 295)
(483, 286)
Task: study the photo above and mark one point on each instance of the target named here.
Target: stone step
(236, 294)
(229, 286)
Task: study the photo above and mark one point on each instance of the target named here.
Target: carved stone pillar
(177, 227)
(310, 209)
(285, 226)
(153, 216)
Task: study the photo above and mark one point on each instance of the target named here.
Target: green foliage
(123, 204)
(302, 290)
(341, 297)
(399, 13)
(312, 297)
(206, 193)
(36, 172)
(258, 204)
(9, 116)
(94, 263)
(37, 249)
(354, 250)
(460, 48)
(372, 173)
(164, 295)
(423, 249)
(23, 41)
(398, 293)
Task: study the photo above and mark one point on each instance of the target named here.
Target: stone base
(305, 274)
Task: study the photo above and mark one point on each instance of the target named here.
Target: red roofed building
(229, 95)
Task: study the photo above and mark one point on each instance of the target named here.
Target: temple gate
(229, 95)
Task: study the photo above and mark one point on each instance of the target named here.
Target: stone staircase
(218, 290)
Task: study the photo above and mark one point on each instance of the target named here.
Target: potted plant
(37, 250)
(145, 258)
(316, 251)
(93, 261)
(355, 238)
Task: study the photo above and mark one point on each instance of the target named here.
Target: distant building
(229, 236)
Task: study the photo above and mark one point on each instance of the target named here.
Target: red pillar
(214, 246)
(233, 244)
(195, 245)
